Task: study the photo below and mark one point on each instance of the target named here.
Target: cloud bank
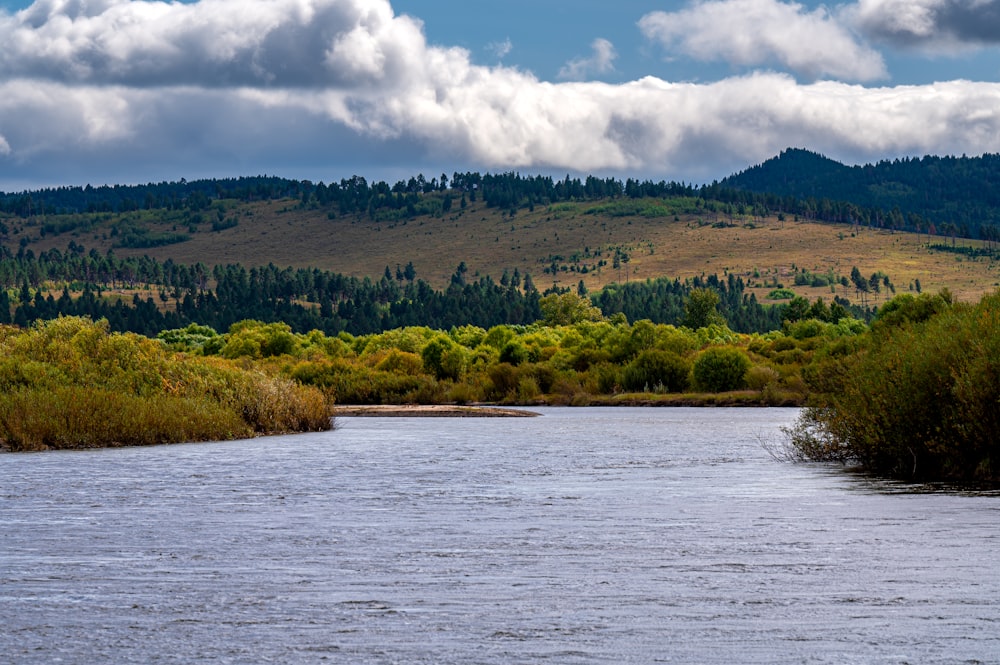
(934, 25)
(119, 90)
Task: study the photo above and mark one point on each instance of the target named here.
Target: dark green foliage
(664, 300)
(721, 368)
(921, 399)
(514, 352)
(223, 224)
(944, 195)
(308, 299)
(139, 238)
(192, 195)
(938, 195)
(268, 294)
(660, 371)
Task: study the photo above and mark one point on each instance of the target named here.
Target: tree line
(945, 196)
(74, 283)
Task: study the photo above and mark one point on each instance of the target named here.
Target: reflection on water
(882, 486)
(585, 536)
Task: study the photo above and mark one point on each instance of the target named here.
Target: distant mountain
(964, 191)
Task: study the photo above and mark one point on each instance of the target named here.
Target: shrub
(807, 328)
(720, 369)
(527, 389)
(514, 352)
(758, 377)
(918, 400)
(781, 294)
(70, 383)
(401, 362)
(83, 417)
(504, 380)
(655, 369)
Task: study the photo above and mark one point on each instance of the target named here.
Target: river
(588, 535)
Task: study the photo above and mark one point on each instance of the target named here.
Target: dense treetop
(905, 193)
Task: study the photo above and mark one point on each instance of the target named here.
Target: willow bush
(720, 369)
(920, 399)
(70, 383)
(582, 362)
(655, 370)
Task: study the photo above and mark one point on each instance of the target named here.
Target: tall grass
(80, 417)
(70, 383)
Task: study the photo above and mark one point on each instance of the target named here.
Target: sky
(134, 91)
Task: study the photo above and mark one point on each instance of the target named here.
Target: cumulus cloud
(601, 61)
(374, 95)
(765, 32)
(282, 43)
(936, 25)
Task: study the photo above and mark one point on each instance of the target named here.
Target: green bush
(434, 354)
(921, 399)
(504, 379)
(655, 370)
(514, 352)
(720, 369)
(781, 294)
(759, 377)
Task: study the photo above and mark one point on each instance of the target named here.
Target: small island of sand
(430, 411)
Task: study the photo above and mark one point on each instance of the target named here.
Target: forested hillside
(482, 249)
(945, 195)
(952, 196)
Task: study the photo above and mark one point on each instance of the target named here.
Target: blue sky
(107, 91)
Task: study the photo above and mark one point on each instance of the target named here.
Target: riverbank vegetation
(572, 356)
(916, 398)
(70, 383)
(592, 291)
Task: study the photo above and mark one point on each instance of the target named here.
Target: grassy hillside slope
(559, 244)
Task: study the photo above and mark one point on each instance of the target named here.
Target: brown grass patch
(490, 241)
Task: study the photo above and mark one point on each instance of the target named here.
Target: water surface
(585, 536)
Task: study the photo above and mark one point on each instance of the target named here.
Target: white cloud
(4, 146)
(501, 49)
(765, 32)
(282, 43)
(601, 61)
(934, 25)
(372, 94)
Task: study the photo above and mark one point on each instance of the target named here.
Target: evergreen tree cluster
(937, 195)
(306, 299)
(313, 299)
(194, 195)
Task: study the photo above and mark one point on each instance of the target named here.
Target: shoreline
(429, 411)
